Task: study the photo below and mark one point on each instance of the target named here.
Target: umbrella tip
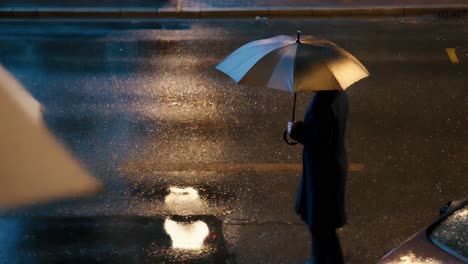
(298, 40)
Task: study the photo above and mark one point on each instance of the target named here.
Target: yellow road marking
(451, 52)
(142, 167)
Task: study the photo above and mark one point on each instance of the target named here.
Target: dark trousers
(326, 247)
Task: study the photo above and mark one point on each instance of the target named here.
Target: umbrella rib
(330, 45)
(249, 46)
(260, 42)
(331, 72)
(334, 76)
(299, 81)
(276, 70)
(353, 59)
(255, 54)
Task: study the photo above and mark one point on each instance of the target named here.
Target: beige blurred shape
(12, 89)
(34, 167)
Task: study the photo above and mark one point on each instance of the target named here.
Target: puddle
(112, 239)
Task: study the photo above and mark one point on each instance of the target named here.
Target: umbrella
(34, 167)
(294, 65)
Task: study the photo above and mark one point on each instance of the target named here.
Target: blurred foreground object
(34, 167)
(11, 88)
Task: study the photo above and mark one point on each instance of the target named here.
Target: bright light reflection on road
(410, 258)
(184, 98)
(186, 235)
(184, 200)
(181, 195)
(178, 196)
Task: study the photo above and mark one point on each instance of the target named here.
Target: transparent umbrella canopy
(294, 65)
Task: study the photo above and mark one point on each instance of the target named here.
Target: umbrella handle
(288, 140)
(286, 137)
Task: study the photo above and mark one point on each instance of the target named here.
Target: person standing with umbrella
(309, 64)
(320, 201)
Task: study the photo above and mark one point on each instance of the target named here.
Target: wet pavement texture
(110, 239)
(218, 3)
(90, 3)
(140, 104)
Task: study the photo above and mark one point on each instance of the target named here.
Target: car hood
(419, 250)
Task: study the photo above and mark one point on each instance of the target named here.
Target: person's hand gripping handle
(287, 132)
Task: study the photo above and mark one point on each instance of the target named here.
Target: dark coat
(320, 200)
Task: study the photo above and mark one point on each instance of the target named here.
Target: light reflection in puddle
(182, 195)
(186, 235)
(184, 200)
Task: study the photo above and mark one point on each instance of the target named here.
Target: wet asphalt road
(216, 3)
(141, 105)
